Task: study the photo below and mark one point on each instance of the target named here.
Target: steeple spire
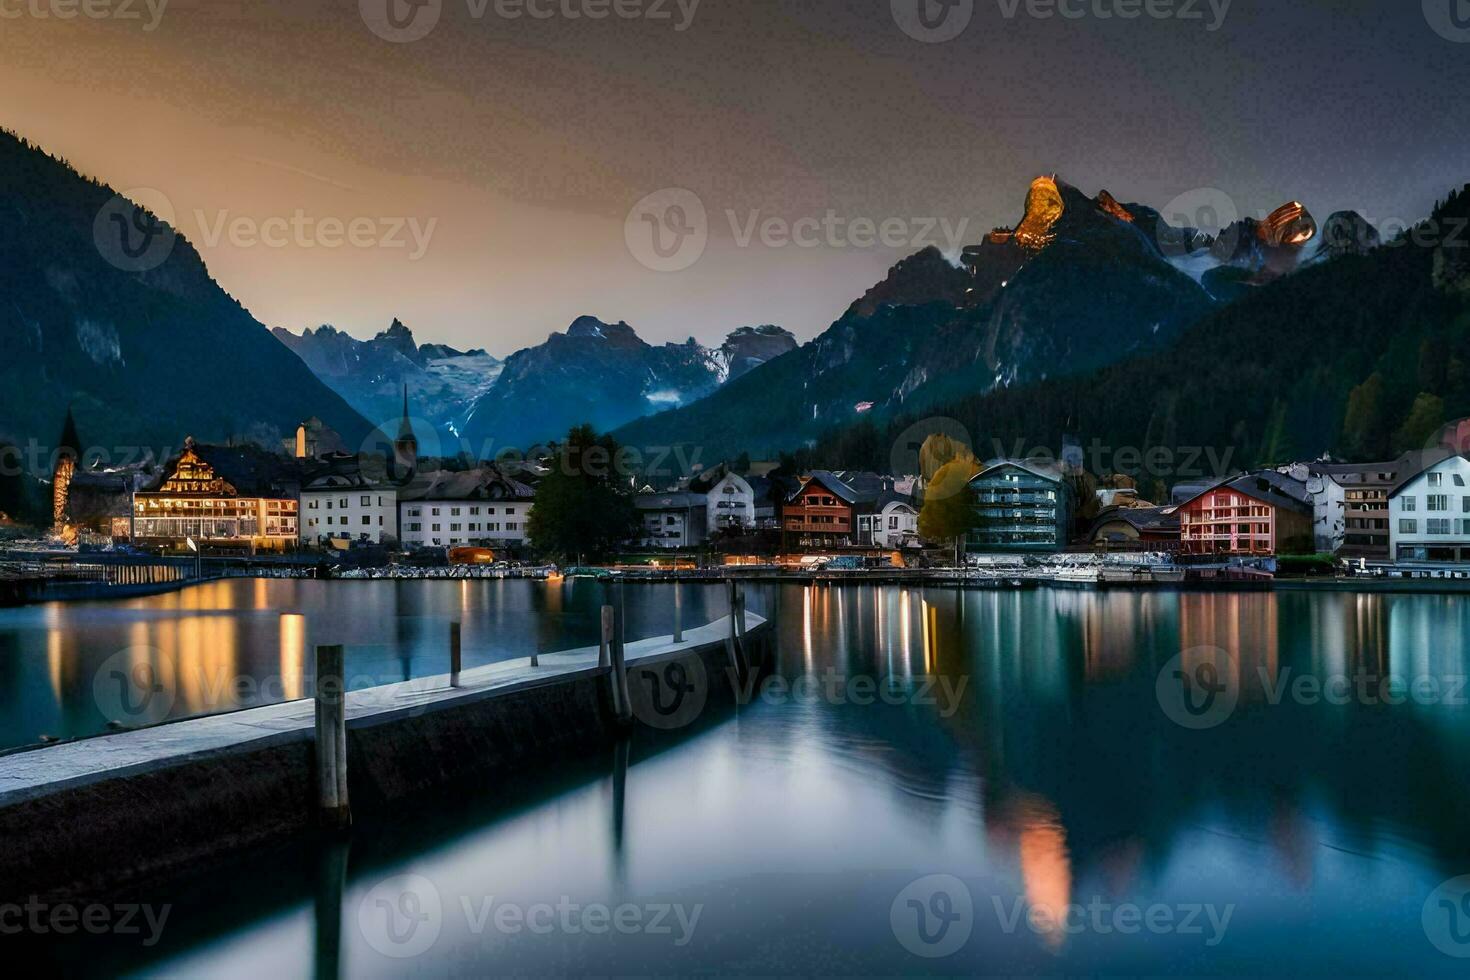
(406, 446)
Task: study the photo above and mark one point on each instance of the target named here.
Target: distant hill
(371, 374)
(1077, 284)
(604, 374)
(108, 310)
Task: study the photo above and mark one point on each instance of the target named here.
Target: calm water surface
(1022, 747)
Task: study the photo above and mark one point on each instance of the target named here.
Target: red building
(819, 514)
(1258, 514)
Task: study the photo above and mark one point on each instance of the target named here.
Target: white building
(1429, 513)
(481, 507)
(730, 503)
(894, 525)
(671, 520)
(346, 506)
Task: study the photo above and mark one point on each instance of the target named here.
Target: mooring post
(678, 612)
(619, 657)
(331, 739)
(732, 639)
(604, 637)
(456, 662)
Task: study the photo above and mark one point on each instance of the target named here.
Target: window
(510, 511)
(434, 512)
(1438, 525)
(329, 505)
(367, 501)
(1410, 505)
(474, 511)
(454, 512)
(1459, 480)
(434, 527)
(1437, 501)
(415, 512)
(367, 521)
(1436, 479)
(893, 523)
(311, 505)
(456, 527)
(344, 503)
(517, 527)
(1408, 527)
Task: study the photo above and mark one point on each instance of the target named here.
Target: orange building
(820, 513)
(1258, 514)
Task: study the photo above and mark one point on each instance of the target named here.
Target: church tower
(406, 445)
(68, 451)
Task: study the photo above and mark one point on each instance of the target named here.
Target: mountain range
(1086, 315)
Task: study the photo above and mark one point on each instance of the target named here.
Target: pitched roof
(1267, 486)
(832, 482)
(1046, 469)
(669, 501)
(480, 483)
(1415, 465)
(1156, 519)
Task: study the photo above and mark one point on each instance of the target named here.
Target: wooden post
(678, 613)
(456, 660)
(331, 739)
(732, 640)
(619, 658)
(604, 637)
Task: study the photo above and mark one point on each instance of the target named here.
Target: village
(311, 503)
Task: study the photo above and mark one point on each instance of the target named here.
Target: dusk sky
(517, 148)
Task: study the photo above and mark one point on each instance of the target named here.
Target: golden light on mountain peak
(1043, 207)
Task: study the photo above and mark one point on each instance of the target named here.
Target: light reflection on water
(1053, 779)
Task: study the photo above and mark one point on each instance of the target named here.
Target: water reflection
(1050, 780)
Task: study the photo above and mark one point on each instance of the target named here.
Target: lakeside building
(1429, 510)
(483, 507)
(225, 496)
(672, 520)
(820, 513)
(892, 522)
(1019, 505)
(1254, 514)
(1349, 505)
(1139, 528)
(729, 501)
(347, 504)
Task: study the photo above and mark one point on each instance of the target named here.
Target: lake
(932, 781)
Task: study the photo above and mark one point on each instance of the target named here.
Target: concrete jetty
(96, 815)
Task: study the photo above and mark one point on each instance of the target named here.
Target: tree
(937, 450)
(948, 513)
(1425, 419)
(581, 510)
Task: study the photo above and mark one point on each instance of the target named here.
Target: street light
(198, 557)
